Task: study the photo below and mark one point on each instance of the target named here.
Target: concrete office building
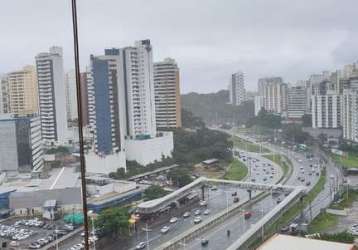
(350, 115)
(296, 102)
(52, 95)
(237, 88)
(71, 95)
(274, 94)
(20, 143)
(327, 111)
(22, 91)
(167, 94)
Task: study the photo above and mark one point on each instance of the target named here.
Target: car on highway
(214, 188)
(173, 220)
(354, 229)
(204, 242)
(206, 212)
(253, 180)
(308, 183)
(197, 212)
(141, 245)
(271, 176)
(186, 214)
(34, 245)
(197, 220)
(247, 215)
(164, 229)
(234, 193)
(203, 203)
(264, 179)
(278, 200)
(236, 199)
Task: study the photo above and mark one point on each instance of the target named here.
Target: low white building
(105, 164)
(150, 150)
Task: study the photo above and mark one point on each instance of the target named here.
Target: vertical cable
(80, 121)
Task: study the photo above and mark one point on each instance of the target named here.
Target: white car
(141, 245)
(197, 212)
(173, 220)
(206, 212)
(203, 203)
(197, 220)
(186, 214)
(164, 229)
(354, 229)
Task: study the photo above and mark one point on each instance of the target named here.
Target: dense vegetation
(113, 221)
(293, 133)
(265, 119)
(213, 108)
(344, 237)
(58, 150)
(154, 192)
(190, 147)
(193, 147)
(180, 176)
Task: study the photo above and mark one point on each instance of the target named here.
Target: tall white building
(296, 102)
(71, 95)
(237, 88)
(327, 111)
(274, 94)
(52, 95)
(137, 77)
(350, 115)
(167, 94)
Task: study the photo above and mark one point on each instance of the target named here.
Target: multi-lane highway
(237, 225)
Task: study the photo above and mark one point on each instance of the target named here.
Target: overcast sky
(210, 39)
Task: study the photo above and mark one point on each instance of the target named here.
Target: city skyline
(288, 45)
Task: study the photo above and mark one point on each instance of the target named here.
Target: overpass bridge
(162, 203)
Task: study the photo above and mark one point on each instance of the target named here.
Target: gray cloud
(209, 38)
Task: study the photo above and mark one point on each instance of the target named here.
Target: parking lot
(32, 233)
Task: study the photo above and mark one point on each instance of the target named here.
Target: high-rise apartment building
(20, 143)
(84, 98)
(327, 111)
(52, 95)
(4, 95)
(71, 95)
(350, 114)
(22, 91)
(274, 94)
(137, 77)
(106, 103)
(237, 88)
(167, 94)
(296, 102)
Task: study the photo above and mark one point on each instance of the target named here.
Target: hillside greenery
(213, 108)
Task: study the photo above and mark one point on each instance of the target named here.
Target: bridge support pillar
(250, 195)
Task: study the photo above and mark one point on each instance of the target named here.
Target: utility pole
(147, 232)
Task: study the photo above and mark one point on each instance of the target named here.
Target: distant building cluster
(330, 98)
(129, 102)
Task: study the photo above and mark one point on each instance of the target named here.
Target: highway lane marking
(57, 178)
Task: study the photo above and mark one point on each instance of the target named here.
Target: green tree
(113, 221)
(58, 150)
(180, 176)
(294, 133)
(266, 119)
(154, 192)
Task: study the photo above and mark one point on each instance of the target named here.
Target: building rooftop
(284, 242)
